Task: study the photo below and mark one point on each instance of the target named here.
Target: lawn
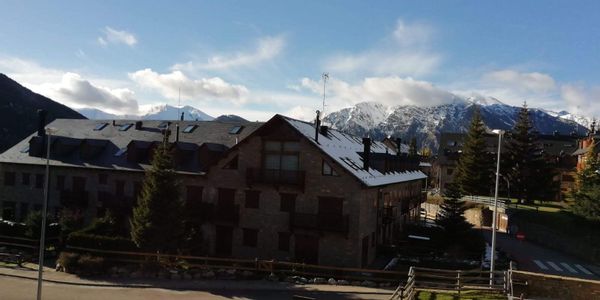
(446, 295)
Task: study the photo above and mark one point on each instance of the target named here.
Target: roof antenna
(325, 77)
(179, 102)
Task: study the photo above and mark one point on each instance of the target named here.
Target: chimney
(138, 125)
(366, 153)
(399, 146)
(181, 118)
(41, 122)
(324, 130)
(114, 123)
(177, 134)
(317, 125)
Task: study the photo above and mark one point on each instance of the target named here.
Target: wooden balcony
(225, 214)
(320, 222)
(275, 177)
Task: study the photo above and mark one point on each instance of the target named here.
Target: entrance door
(223, 243)
(365, 251)
(307, 249)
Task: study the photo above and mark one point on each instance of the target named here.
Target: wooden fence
(254, 265)
(27, 247)
(450, 280)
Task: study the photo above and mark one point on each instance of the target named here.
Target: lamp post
(494, 217)
(49, 132)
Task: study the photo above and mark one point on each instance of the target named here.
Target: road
(535, 258)
(17, 284)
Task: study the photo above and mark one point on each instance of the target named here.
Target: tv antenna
(179, 104)
(325, 77)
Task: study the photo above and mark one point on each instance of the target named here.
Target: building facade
(285, 189)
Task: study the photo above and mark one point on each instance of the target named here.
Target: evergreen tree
(587, 197)
(474, 169)
(451, 215)
(156, 224)
(529, 173)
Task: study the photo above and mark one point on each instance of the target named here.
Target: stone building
(285, 189)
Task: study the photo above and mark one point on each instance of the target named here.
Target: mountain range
(426, 123)
(18, 112)
(156, 112)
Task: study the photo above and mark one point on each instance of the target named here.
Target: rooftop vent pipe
(138, 125)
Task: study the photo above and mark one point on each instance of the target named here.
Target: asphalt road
(535, 258)
(20, 284)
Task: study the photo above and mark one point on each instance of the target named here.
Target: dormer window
(236, 129)
(100, 126)
(163, 125)
(189, 128)
(125, 127)
(25, 149)
(121, 152)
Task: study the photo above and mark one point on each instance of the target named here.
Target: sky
(259, 58)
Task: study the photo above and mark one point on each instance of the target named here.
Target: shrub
(91, 265)
(69, 261)
(85, 240)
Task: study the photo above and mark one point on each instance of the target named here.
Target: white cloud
(113, 36)
(581, 100)
(267, 48)
(203, 89)
(390, 91)
(530, 82)
(404, 52)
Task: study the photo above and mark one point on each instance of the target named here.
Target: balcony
(320, 222)
(74, 199)
(226, 214)
(276, 177)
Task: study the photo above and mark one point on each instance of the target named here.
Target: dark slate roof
(72, 135)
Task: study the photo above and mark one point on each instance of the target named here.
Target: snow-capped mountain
(426, 123)
(156, 112)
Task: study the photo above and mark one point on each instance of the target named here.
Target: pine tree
(451, 215)
(587, 197)
(156, 224)
(474, 169)
(530, 175)
(588, 176)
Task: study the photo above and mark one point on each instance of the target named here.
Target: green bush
(85, 240)
(91, 265)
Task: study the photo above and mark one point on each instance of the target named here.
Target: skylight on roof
(25, 150)
(124, 127)
(236, 129)
(121, 152)
(100, 126)
(163, 125)
(189, 128)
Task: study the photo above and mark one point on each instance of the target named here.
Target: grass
(538, 206)
(447, 295)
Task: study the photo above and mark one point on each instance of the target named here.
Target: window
(125, 127)
(121, 152)
(60, 182)
(250, 237)
(25, 178)
(281, 155)
(373, 239)
(100, 126)
(236, 129)
(288, 202)
(102, 179)
(9, 178)
(449, 171)
(78, 183)
(232, 164)
(284, 241)
(327, 170)
(252, 199)
(39, 181)
(119, 188)
(189, 128)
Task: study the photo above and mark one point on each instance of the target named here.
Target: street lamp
(49, 132)
(492, 255)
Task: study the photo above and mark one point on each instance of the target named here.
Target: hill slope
(18, 112)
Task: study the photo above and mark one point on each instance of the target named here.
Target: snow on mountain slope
(426, 123)
(155, 112)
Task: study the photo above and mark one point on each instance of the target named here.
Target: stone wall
(542, 286)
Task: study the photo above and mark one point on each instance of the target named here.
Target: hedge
(115, 243)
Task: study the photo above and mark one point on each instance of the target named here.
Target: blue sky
(257, 58)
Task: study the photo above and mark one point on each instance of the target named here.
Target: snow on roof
(424, 164)
(344, 149)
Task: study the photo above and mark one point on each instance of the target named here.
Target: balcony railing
(320, 222)
(227, 214)
(277, 177)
